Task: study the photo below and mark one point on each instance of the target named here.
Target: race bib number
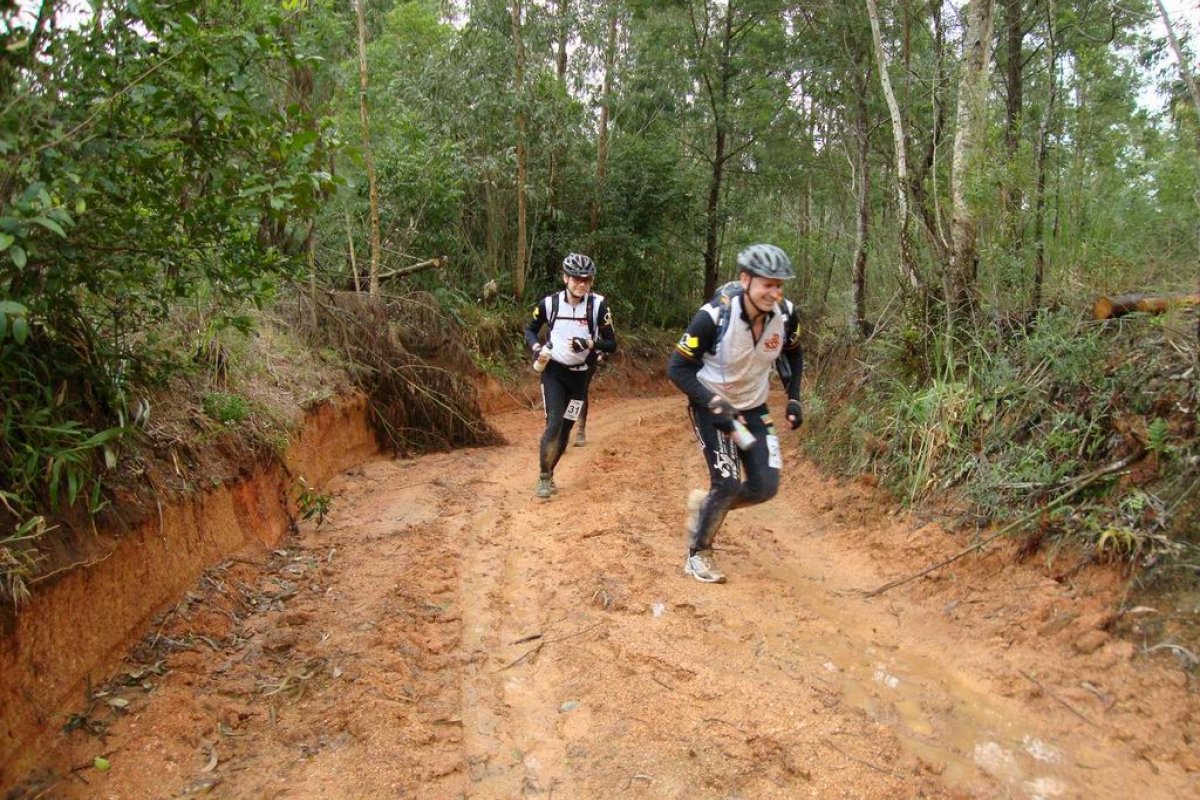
(774, 456)
(575, 408)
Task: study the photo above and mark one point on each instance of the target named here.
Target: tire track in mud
(627, 687)
(447, 635)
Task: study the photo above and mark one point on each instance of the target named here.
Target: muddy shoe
(702, 568)
(580, 438)
(545, 486)
(695, 500)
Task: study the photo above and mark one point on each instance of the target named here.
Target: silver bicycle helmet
(767, 261)
(579, 266)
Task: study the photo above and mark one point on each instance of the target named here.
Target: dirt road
(444, 634)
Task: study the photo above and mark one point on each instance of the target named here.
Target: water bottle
(543, 358)
(742, 436)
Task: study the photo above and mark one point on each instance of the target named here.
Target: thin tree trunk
(350, 242)
(1011, 198)
(713, 216)
(368, 155)
(718, 98)
(926, 199)
(862, 196)
(907, 267)
(1190, 80)
(564, 30)
(968, 150)
(1043, 148)
(518, 82)
(602, 138)
(495, 228)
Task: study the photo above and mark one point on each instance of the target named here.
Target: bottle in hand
(543, 358)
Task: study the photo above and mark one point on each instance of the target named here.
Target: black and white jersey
(738, 367)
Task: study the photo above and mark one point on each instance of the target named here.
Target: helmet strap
(746, 297)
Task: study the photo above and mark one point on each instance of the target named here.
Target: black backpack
(591, 316)
(723, 299)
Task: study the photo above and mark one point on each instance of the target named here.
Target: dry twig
(979, 545)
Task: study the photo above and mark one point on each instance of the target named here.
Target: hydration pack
(591, 313)
(723, 300)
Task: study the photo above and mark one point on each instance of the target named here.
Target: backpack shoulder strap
(723, 300)
(553, 316)
(591, 315)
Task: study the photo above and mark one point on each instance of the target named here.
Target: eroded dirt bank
(447, 635)
(78, 626)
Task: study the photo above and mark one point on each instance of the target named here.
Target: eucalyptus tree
(970, 128)
(908, 268)
(738, 83)
(360, 8)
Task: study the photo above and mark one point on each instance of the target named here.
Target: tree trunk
(350, 244)
(926, 200)
(1184, 71)
(368, 155)
(907, 267)
(713, 216)
(1190, 80)
(564, 30)
(718, 97)
(1043, 149)
(519, 90)
(602, 137)
(1011, 198)
(969, 144)
(862, 196)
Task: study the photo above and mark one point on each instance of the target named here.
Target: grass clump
(226, 408)
(1013, 418)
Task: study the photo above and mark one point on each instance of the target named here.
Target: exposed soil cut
(444, 634)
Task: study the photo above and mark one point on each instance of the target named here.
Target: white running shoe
(702, 568)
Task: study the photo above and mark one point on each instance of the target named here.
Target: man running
(580, 324)
(723, 364)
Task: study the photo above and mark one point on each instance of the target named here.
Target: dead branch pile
(407, 356)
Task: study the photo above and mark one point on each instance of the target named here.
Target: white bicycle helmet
(767, 261)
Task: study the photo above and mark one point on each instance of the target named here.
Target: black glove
(579, 344)
(795, 414)
(723, 414)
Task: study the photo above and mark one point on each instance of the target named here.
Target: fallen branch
(875, 767)
(433, 263)
(1057, 699)
(966, 551)
(543, 643)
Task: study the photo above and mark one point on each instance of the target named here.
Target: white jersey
(570, 323)
(740, 369)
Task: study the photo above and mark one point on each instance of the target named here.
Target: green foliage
(147, 160)
(1031, 414)
(226, 408)
(311, 503)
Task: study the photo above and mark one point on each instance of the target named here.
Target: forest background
(202, 199)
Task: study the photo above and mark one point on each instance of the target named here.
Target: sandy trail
(446, 635)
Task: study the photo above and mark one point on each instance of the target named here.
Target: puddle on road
(964, 733)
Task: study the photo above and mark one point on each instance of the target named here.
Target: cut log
(1117, 305)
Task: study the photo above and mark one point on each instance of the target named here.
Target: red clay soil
(447, 635)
